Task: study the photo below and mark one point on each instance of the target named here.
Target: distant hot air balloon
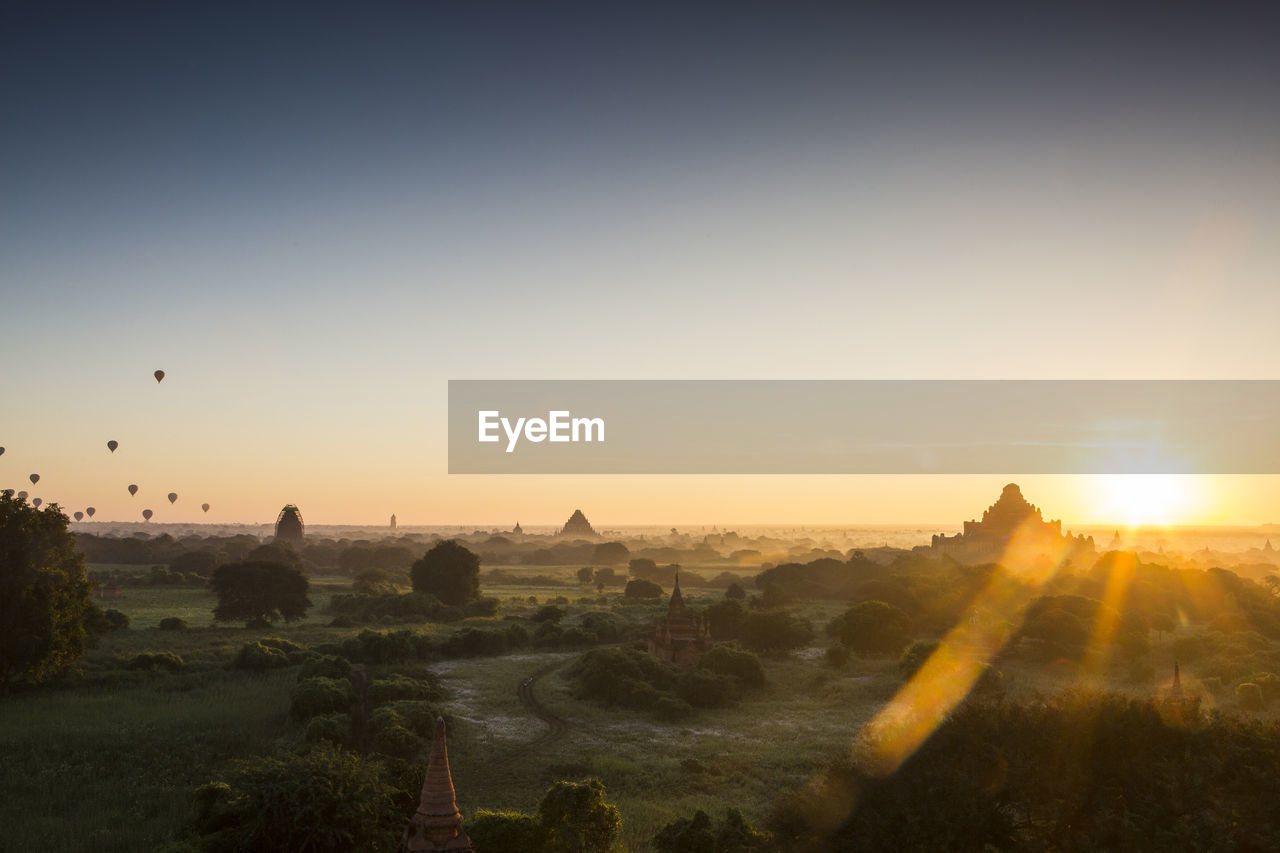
(22, 496)
(35, 502)
(35, 478)
(159, 374)
(112, 445)
(204, 507)
(79, 515)
(133, 490)
(146, 515)
(89, 511)
(173, 497)
(1, 451)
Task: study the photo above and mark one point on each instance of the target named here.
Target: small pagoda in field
(436, 827)
(679, 637)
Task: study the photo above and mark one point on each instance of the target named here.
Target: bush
(504, 832)
(156, 660)
(774, 631)
(1249, 696)
(114, 620)
(312, 697)
(726, 660)
(173, 623)
(397, 742)
(642, 589)
(915, 656)
(331, 728)
(285, 646)
(256, 657)
(548, 613)
(324, 800)
(326, 666)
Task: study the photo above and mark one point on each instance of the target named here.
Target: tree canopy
(449, 571)
(259, 592)
(45, 604)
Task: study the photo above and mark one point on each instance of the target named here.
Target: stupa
(577, 525)
(437, 824)
(289, 525)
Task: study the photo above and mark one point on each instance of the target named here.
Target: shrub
(256, 657)
(397, 741)
(312, 697)
(643, 589)
(285, 646)
(504, 832)
(156, 660)
(872, 628)
(332, 728)
(173, 623)
(548, 613)
(774, 631)
(726, 660)
(325, 800)
(114, 620)
(326, 666)
(915, 656)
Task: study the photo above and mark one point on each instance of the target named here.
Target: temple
(437, 824)
(577, 525)
(987, 540)
(289, 524)
(679, 637)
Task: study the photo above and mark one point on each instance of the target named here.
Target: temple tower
(437, 824)
(289, 527)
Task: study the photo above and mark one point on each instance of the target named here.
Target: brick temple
(678, 636)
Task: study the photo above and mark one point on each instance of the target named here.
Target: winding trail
(557, 727)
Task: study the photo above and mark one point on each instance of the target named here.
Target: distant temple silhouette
(1011, 514)
(517, 529)
(679, 637)
(393, 521)
(577, 525)
(437, 824)
(289, 524)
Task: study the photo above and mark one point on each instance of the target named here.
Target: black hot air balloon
(22, 496)
(173, 497)
(159, 375)
(34, 478)
(204, 507)
(133, 490)
(146, 515)
(112, 445)
(79, 515)
(89, 511)
(35, 502)
(1, 451)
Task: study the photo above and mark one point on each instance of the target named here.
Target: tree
(586, 574)
(576, 819)
(448, 571)
(259, 593)
(873, 627)
(639, 588)
(45, 606)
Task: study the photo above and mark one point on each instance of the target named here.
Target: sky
(312, 216)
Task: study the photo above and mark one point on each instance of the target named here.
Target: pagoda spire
(437, 824)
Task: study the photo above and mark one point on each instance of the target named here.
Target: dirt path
(556, 726)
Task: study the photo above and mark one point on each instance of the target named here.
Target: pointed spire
(677, 600)
(437, 824)
(1175, 692)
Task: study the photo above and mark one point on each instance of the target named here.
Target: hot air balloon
(89, 511)
(1, 451)
(112, 445)
(173, 497)
(35, 478)
(204, 507)
(79, 515)
(133, 490)
(159, 374)
(146, 515)
(35, 502)
(22, 496)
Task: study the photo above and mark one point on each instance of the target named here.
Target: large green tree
(448, 571)
(45, 604)
(259, 592)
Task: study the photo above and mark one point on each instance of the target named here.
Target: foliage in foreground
(1081, 772)
(572, 818)
(259, 592)
(632, 679)
(45, 608)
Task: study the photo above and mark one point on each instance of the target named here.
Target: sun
(1146, 499)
